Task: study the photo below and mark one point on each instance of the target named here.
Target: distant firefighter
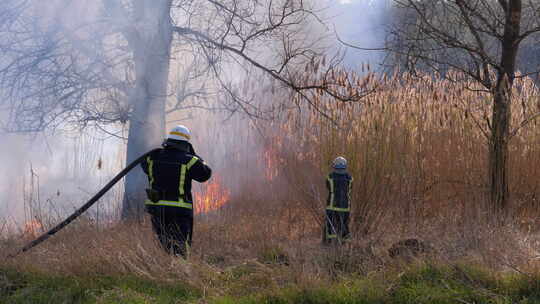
(170, 171)
(338, 183)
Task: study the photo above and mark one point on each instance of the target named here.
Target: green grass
(417, 285)
(19, 288)
(424, 284)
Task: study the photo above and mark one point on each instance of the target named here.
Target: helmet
(339, 163)
(179, 132)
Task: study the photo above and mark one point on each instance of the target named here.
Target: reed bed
(417, 149)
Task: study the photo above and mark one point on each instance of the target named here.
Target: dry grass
(248, 254)
(418, 155)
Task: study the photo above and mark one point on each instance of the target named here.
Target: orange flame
(32, 228)
(214, 196)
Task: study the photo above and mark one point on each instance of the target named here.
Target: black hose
(85, 207)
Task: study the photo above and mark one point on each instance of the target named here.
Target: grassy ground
(422, 283)
(418, 153)
(17, 287)
(236, 263)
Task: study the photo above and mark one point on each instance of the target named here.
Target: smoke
(12, 156)
(54, 172)
(60, 170)
(361, 23)
(51, 171)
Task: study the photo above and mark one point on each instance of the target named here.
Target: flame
(32, 228)
(214, 196)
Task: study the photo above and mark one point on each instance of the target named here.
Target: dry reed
(417, 151)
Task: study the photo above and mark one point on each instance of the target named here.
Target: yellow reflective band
(192, 162)
(180, 203)
(331, 181)
(338, 209)
(182, 180)
(183, 170)
(180, 134)
(331, 236)
(150, 170)
(350, 189)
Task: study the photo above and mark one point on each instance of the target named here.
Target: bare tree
(481, 39)
(116, 67)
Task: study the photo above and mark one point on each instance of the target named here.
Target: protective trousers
(173, 229)
(336, 226)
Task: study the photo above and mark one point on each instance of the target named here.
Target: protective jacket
(170, 173)
(336, 225)
(339, 190)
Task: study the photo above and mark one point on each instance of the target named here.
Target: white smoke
(67, 168)
(48, 174)
(361, 23)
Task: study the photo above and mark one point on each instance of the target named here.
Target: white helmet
(339, 163)
(179, 132)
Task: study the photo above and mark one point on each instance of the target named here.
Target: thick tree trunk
(498, 156)
(147, 120)
(502, 97)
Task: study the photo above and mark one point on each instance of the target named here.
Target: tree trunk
(498, 156)
(502, 97)
(151, 52)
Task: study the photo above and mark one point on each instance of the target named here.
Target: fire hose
(81, 210)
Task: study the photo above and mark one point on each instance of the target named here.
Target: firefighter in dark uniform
(338, 183)
(170, 171)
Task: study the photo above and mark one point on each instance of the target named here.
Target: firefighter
(170, 171)
(338, 183)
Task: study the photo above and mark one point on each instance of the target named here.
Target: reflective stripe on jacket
(339, 191)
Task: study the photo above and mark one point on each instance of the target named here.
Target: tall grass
(417, 148)
(417, 151)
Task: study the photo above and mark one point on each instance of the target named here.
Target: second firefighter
(339, 184)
